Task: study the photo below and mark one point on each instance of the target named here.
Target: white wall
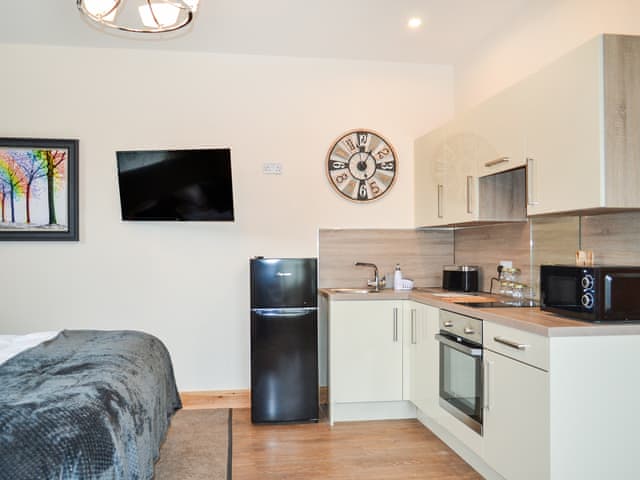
(186, 282)
(544, 31)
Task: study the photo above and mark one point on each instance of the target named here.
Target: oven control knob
(587, 300)
(469, 330)
(587, 282)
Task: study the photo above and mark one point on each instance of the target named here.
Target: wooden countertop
(531, 319)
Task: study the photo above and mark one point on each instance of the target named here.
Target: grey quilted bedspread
(86, 405)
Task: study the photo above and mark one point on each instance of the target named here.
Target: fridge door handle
(283, 312)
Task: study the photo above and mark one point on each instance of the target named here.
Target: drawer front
(523, 346)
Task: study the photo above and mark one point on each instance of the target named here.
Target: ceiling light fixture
(140, 16)
(415, 22)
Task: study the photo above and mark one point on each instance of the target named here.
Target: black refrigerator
(284, 340)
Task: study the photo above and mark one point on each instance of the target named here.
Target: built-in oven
(461, 373)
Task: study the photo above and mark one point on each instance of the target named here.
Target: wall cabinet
(498, 131)
(574, 125)
(461, 188)
(431, 159)
(448, 189)
(366, 351)
(445, 177)
(583, 128)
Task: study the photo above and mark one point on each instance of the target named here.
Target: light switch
(272, 168)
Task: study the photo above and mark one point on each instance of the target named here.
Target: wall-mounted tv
(176, 185)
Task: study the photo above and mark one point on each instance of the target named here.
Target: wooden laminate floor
(381, 450)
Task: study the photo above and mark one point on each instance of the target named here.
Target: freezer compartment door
(284, 366)
(283, 282)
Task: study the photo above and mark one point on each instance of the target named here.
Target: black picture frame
(53, 164)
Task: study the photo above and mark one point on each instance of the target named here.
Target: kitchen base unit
(550, 402)
(366, 359)
(559, 396)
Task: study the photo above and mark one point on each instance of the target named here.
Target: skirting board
(355, 412)
(216, 399)
(226, 399)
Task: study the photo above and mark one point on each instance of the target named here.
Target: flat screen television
(176, 185)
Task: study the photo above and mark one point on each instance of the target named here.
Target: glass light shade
(163, 14)
(140, 16)
(100, 8)
(192, 4)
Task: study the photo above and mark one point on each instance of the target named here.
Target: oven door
(461, 379)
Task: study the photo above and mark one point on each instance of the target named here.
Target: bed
(86, 405)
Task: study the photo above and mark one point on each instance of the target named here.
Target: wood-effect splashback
(421, 255)
(486, 246)
(614, 239)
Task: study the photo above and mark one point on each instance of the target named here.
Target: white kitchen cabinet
(583, 128)
(431, 158)
(424, 360)
(497, 129)
(574, 125)
(516, 418)
(447, 190)
(366, 351)
(445, 177)
(460, 196)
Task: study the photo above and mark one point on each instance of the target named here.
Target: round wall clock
(362, 165)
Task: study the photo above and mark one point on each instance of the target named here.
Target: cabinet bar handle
(440, 200)
(395, 324)
(497, 161)
(530, 197)
(469, 182)
(413, 326)
(510, 343)
(487, 384)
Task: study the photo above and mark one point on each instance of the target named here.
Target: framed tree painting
(38, 189)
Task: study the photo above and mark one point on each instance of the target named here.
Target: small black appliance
(596, 293)
(460, 278)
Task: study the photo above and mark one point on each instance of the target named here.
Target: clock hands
(364, 166)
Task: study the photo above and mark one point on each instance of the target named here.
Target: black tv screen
(169, 185)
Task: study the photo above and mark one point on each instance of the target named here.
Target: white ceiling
(347, 29)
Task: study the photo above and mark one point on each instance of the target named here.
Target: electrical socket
(506, 263)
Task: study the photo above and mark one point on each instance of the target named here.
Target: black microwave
(595, 294)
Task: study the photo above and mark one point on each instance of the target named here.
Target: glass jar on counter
(506, 288)
(518, 291)
(510, 274)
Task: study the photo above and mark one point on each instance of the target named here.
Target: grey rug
(197, 447)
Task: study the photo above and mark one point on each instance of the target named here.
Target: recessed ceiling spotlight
(415, 22)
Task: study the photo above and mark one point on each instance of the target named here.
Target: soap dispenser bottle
(397, 278)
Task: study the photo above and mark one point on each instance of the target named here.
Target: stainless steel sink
(361, 291)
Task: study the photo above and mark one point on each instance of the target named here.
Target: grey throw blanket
(86, 405)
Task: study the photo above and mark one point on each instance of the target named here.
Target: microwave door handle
(608, 281)
(471, 351)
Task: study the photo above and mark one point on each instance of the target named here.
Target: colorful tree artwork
(35, 187)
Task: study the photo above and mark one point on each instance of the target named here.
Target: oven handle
(471, 351)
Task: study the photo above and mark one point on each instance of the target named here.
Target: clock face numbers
(361, 165)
